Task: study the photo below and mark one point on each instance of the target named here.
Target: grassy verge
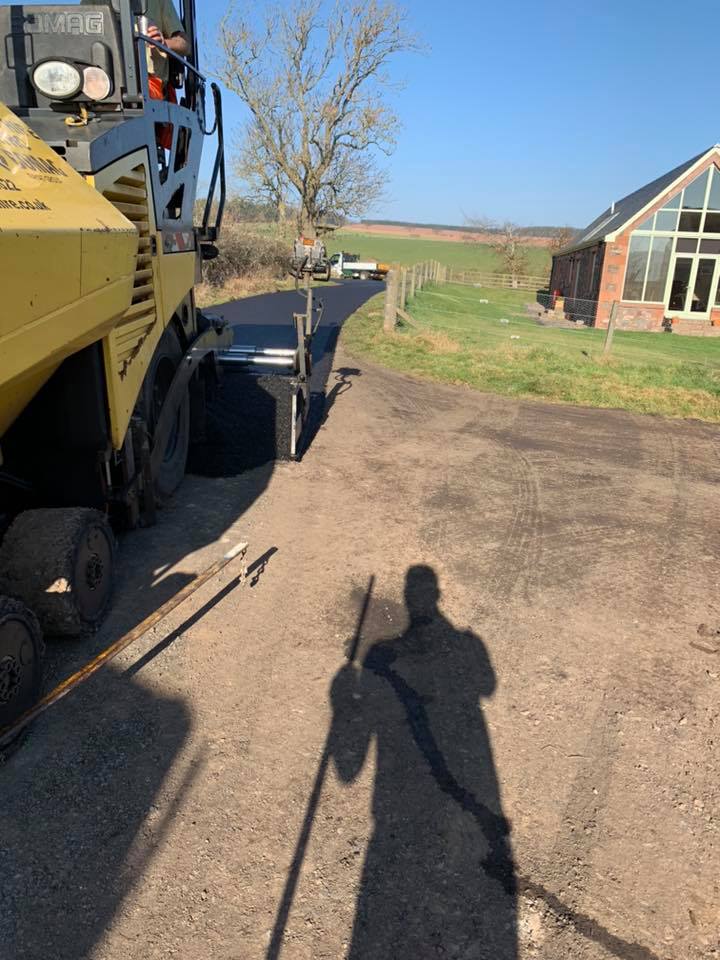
(460, 340)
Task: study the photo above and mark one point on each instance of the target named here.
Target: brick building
(656, 252)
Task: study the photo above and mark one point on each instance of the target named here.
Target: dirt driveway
(521, 760)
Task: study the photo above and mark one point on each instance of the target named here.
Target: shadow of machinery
(321, 403)
(110, 766)
(227, 472)
(84, 810)
(223, 482)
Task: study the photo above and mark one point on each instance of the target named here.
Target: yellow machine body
(67, 260)
(80, 261)
(160, 283)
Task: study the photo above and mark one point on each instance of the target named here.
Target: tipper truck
(350, 266)
(104, 355)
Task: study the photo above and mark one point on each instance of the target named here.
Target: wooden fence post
(391, 304)
(412, 281)
(610, 329)
(403, 287)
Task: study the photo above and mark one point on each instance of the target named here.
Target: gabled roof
(619, 214)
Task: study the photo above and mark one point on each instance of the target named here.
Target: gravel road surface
(513, 755)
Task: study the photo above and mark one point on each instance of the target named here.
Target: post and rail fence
(511, 281)
(403, 283)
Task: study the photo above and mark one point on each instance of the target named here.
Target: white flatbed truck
(351, 267)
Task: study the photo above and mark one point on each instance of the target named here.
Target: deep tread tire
(166, 359)
(60, 563)
(21, 669)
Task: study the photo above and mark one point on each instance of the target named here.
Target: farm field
(460, 340)
(455, 254)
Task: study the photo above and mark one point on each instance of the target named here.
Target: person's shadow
(438, 878)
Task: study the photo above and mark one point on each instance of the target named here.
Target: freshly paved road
(266, 320)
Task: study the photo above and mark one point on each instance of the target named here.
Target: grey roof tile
(620, 213)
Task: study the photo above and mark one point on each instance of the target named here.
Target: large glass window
(677, 228)
(636, 267)
(657, 270)
(680, 283)
(694, 193)
(689, 222)
(666, 219)
(703, 283)
(714, 197)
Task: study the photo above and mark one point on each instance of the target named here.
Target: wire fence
(544, 308)
(404, 282)
(573, 309)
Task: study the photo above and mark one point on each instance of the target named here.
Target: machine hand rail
(219, 165)
(218, 170)
(171, 53)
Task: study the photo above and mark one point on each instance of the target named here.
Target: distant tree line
(243, 209)
(542, 231)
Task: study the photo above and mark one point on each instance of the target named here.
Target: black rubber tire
(60, 563)
(158, 378)
(21, 666)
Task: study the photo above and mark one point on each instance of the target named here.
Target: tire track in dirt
(518, 574)
(525, 557)
(519, 557)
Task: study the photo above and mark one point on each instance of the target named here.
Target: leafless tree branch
(314, 80)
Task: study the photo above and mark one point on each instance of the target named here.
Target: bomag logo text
(75, 24)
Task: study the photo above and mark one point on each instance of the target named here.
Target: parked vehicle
(351, 267)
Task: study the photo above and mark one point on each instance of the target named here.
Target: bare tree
(314, 79)
(507, 243)
(510, 248)
(266, 180)
(562, 237)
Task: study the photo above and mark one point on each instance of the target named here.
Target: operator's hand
(155, 34)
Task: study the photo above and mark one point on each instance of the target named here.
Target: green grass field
(459, 340)
(409, 250)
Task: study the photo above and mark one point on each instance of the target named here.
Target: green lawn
(408, 250)
(460, 340)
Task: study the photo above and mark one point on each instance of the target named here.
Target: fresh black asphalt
(267, 320)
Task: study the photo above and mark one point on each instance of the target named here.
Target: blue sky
(545, 111)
